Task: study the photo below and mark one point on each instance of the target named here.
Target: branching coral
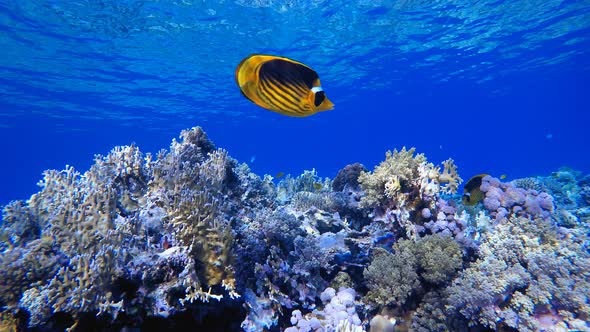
(77, 209)
(97, 226)
(189, 231)
(430, 316)
(348, 177)
(190, 195)
(18, 225)
(20, 267)
(391, 278)
(309, 181)
(331, 202)
(439, 258)
(527, 268)
(403, 176)
(403, 185)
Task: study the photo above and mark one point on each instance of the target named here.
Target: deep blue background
(499, 134)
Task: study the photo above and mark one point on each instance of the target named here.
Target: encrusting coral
(192, 238)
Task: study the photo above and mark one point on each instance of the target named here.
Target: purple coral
(504, 200)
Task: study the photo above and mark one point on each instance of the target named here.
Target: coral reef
(348, 178)
(527, 269)
(405, 188)
(191, 239)
(338, 314)
(393, 277)
(504, 200)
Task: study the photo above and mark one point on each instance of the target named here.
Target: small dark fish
(165, 243)
(281, 85)
(472, 194)
(317, 186)
(279, 175)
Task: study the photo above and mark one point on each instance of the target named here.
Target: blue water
(502, 87)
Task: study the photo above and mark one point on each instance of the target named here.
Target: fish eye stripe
(319, 98)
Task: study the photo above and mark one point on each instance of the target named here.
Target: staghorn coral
(97, 229)
(439, 258)
(128, 171)
(527, 269)
(18, 225)
(21, 267)
(78, 210)
(430, 316)
(194, 223)
(529, 184)
(306, 200)
(309, 181)
(183, 234)
(190, 194)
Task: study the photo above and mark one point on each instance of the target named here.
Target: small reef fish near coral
(472, 193)
(281, 85)
(191, 239)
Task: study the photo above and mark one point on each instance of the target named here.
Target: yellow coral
(8, 323)
(449, 176)
(392, 177)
